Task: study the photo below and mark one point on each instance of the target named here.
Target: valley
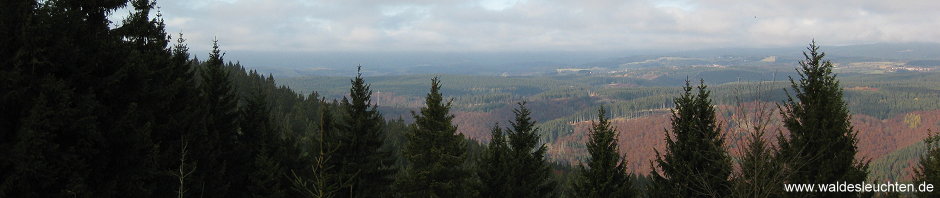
(892, 107)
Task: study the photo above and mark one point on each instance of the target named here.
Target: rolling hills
(892, 109)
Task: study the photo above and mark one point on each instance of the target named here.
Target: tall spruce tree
(15, 18)
(259, 145)
(928, 168)
(821, 145)
(435, 152)
(322, 181)
(71, 119)
(493, 168)
(395, 139)
(169, 91)
(87, 110)
(606, 172)
(178, 121)
(696, 163)
(360, 155)
(530, 174)
(118, 82)
(151, 87)
(760, 174)
(217, 146)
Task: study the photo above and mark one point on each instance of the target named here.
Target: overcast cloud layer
(532, 25)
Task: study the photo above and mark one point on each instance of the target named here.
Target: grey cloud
(548, 25)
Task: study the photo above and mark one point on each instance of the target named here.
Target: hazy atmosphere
(461, 98)
(530, 25)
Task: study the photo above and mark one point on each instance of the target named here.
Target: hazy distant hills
(894, 103)
(294, 64)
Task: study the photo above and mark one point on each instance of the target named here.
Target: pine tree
(696, 163)
(493, 169)
(360, 155)
(530, 174)
(218, 144)
(606, 172)
(928, 169)
(15, 18)
(435, 153)
(87, 110)
(177, 121)
(323, 181)
(760, 174)
(258, 145)
(44, 161)
(821, 145)
(70, 102)
(395, 140)
(168, 93)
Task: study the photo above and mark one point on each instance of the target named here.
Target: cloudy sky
(546, 25)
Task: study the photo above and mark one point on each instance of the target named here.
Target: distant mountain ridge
(295, 64)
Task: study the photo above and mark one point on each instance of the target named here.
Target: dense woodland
(93, 109)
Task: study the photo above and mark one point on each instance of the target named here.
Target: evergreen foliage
(696, 163)
(760, 174)
(177, 120)
(493, 168)
(395, 140)
(219, 156)
(606, 173)
(529, 173)
(259, 145)
(324, 182)
(73, 121)
(360, 155)
(928, 168)
(435, 153)
(821, 145)
(94, 111)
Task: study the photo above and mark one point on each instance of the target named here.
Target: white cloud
(519, 25)
(499, 5)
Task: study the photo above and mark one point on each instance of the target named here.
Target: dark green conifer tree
(43, 161)
(360, 155)
(606, 172)
(15, 18)
(928, 168)
(87, 110)
(821, 145)
(167, 89)
(696, 163)
(759, 174)
(395, 140)
(179, 119)
(71, 110)
(530, 174)
(259, 144)
(216, 150)
(435, 153)
(493, 168)
(322, 181)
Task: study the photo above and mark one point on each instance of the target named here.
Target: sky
(547, 25)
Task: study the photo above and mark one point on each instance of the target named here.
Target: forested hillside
(94, 111)
(94, 108)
